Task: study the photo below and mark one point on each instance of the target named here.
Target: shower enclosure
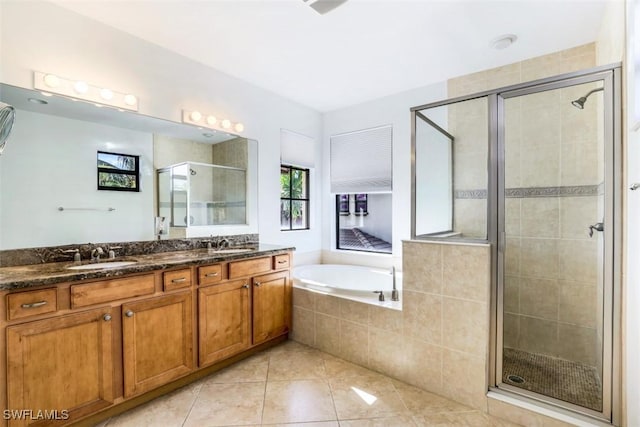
(534, 170)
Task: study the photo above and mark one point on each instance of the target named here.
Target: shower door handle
(598, 226)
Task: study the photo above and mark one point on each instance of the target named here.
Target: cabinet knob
(257, 284)
(129, 313)
(106, 317)
(245, 286)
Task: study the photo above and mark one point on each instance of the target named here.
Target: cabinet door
(157, 336)
(224, 320)
(271, 306)
(61, 364)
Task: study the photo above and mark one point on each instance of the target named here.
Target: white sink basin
(101, 265)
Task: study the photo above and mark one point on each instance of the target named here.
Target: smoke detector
(503, 41)
(324, 6)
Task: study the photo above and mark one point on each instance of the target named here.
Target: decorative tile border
(528, 192)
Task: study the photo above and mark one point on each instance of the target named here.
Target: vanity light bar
(78, 89)
(210, 121)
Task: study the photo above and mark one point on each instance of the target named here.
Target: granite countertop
(26, 276)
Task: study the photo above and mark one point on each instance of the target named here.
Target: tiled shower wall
(438, 342)
(552, 186)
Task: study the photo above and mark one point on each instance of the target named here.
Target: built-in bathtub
(352, 282)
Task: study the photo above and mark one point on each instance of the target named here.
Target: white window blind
(296, 149)
(361, 161)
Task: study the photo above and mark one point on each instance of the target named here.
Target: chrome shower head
(579, 103)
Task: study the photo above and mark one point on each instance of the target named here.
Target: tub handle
(381, 296)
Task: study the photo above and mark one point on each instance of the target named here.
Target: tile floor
(295, 385)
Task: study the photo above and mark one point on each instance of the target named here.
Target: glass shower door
(555, 247)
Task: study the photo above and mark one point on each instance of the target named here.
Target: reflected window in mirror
(364, 222)
(118, 172)
(294, 198)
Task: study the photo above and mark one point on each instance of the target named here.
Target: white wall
(39, 180)
(394, 110)
(631, 274)
(44, 37)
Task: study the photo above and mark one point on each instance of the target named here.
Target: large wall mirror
(48, 173)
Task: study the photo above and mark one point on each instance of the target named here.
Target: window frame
(290, 199)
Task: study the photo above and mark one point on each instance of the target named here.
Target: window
(294, 198)
(361, 178)
(118, 172)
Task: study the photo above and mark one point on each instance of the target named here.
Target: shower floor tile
(561, 379)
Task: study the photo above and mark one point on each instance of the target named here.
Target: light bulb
(226, 124)
(81, 87)
(51, 80)
(106, 94)
(211, 120)
(130, 100)
(239, 127)
(195, 116)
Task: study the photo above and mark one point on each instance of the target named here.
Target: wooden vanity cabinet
(271, 306)
(224, 320)
(157, 341)
(83, 347)
(64, 362)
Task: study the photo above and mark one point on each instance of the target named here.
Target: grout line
(193, 403)
(264, 395)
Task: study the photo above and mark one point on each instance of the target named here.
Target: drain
(516, 379)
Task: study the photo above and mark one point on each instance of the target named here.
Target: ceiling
(362, 50)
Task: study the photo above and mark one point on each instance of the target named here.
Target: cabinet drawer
(111, 290)
(25, 304)
(281, 261)
(249, 267)
(209, 274)
(177, 279)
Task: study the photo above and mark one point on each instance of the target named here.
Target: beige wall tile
(385, 318)
(465, 326)
(540, 217)
(541, 67)
(578, 260)
(466, 272)
(511, 330)
(539, 258)
(470, 217)
(538, 336)
(327, 304)
(386, 353)
(512, 294)
(512, 216)
(539, 298)
(470, 170)
(579, 164)
(328, 333)
(576, 214)
(303, 329)
(578, 304)
(423, 316)
(578, 344)
(464, 378)
(422, 267)
(303, 299)
(506, 75)
(423, 365)
(512, 256)
(354, 342)
(540, 165)
(354, 311)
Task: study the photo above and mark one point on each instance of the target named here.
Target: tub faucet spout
(394, 292)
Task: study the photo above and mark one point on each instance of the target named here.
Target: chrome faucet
(95, 254)
(394, 292)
